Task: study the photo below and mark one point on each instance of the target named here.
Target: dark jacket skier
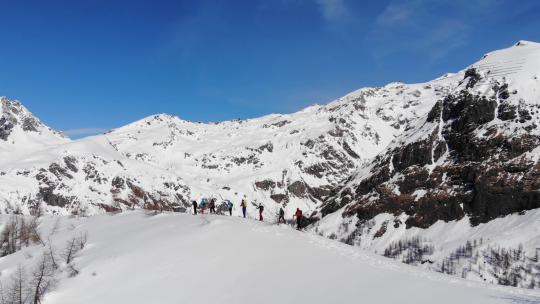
(230, 207)
(281, 216)
(213, 206)
(194, 203)
(261, 209)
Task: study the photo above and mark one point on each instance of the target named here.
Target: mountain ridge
(347, 132)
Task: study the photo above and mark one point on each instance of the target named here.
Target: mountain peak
(518, 66)
(21, 133)
(14, 114)
(526, 43)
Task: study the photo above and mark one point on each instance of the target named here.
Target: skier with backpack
(194, 203)
(261, 209)
(203, 205)
(281, 216)
(299, 217)
(230, 207)
(243, 204)
(213, 206)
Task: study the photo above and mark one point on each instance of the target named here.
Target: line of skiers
(211, 206)
(228, 206)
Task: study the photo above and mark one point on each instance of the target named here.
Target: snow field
(135, 257)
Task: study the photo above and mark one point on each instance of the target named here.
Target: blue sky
(86, 66)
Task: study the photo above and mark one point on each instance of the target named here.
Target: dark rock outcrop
(485, 173)
(6, 127)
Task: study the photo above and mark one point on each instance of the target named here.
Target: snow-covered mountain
(387, 169)
(41, 171)
(293, 160)
(472, 159)
(475, 152)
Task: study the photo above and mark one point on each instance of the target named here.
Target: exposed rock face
(280, 198)
(265, 185)
(298, 189)
(473, 154)
(6, 127)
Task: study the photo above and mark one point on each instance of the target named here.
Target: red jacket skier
(299, 217)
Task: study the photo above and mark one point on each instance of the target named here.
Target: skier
(230, 206)
(194, 203)
(204, 203)
(281, 216)
(299, 217)
(261, 209)
(213, 206)
(243, 204)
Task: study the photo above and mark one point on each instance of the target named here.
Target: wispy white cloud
(430, 27)
(83, 132)
(332, 9)
(445, 37)
(396, 14)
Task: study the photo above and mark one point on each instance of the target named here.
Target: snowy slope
(472, 251)
(210, 259)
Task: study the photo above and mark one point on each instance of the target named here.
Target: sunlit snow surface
(172, 258)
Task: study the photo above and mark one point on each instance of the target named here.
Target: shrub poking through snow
(412, 251)
(494, 264)
(73, 247)
(19, 233)
(29, 287)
